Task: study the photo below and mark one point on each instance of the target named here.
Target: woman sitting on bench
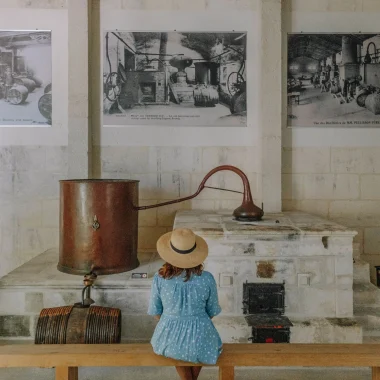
(184, 299)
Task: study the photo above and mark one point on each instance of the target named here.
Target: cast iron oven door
(265, 306)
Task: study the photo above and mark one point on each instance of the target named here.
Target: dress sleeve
(212, 305)
(155, 303)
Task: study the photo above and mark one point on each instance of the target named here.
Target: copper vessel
(99, 222)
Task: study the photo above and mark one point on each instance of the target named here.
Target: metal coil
(75, 324)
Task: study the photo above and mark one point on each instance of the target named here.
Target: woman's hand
(157, 317)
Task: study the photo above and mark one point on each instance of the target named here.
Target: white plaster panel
(55, 20)
(320, 269)
(50, 213)
(316, 302)
(56, 159)
(28, 214)
(355, 160)
(27, 158)
(126, 160)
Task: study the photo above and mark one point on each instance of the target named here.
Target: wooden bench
(67, 358)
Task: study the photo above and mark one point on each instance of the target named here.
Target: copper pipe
(248, 211)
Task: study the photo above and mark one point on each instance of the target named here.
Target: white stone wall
(335, 173)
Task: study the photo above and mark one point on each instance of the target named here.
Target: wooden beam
(66, 373)
(376, 373)
(227, 373)
(233, 355)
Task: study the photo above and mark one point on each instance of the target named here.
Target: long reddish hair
(168, 271)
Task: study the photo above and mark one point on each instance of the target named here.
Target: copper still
(99, 222)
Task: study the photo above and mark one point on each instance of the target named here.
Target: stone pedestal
(288, 247)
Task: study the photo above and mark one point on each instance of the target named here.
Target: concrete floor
(316, 107)
(151, 373)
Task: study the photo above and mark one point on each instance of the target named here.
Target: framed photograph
(174, 78)
(25, 78)
(333, 80)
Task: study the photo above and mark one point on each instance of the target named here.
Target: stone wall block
(14, 326)
(169, 159)
(321, 270)
(317, 302)
(132, 4)
(226, 300)
(27, 158)
(372, 241)
(194, 5)
(292, 186)
(111, 4)
(355, 160)
(49, 4)
(125, 159)
(344, 266)
(6, 159)
(138, 327)
(148, 237)
(316, 207)
(56, 159)
(158, 5)
(239, 156)
(371, 6)
(50, 213)
(28, 214)
(37, 185)
(355, 213)
(34, 302)
(307, 5)
(306, 160)
(166, 214)
(12, 302)
(7, 215)
(344, 303)
(345, 5)
(370, 185)
(147, 218)
(6, 185)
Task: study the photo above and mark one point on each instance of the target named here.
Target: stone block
(371, 6)
(345, 6)
(241, 157)
(56, 159)
(320, 269)
(166, 214)
(111, 4)
(171, 159)
(125, 159)
(6, 185)
(62, 297)
(6, 159)
(160, 186)
(41, 4)
(344, 266)
(12, 302)
(316, 207)
(194, 5)
(14, 326)
(355, 213)
(227, 300)
(316, 302)
(49, 237)
(50, 213)
(148, 237)
(202, 204)
(27, 158)
(344, 303)
(37, 184)
(306, 160)
(133, 302)
(137, 327)
(34, 302)
(361, 271)
(355, 160)
(370, 185)
(147, 218)
(329, 186)
(292, 186)
(133, 4)
(28, 214)
(372, 241)
(232, 329)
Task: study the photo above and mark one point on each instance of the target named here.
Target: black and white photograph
(175, 78)
(25, 78)
(333, 80)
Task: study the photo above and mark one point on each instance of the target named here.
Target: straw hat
(182, 248)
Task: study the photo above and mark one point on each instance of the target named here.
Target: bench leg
(375, 373)
(66, 373)
(227, 373)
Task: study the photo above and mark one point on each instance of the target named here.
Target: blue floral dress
(185, 330)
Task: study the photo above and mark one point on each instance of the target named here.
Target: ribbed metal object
(79, 325)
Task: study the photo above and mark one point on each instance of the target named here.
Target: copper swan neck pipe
(248, 211)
